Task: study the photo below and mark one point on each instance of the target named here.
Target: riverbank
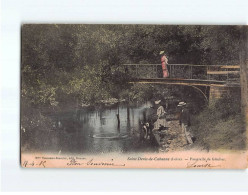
(219, 134)
(219, 127)
(175, 140)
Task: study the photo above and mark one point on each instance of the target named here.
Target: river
(96, 130)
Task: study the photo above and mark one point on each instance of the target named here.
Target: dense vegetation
(63, 63)
(221, 125)
(65, 66)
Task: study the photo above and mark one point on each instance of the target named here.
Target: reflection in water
(96, 131)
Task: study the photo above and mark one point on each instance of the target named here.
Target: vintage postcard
(134, 96)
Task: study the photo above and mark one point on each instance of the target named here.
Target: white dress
(161, 121)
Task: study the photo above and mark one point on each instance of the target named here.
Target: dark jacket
(185, 117)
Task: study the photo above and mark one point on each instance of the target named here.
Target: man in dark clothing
(184, 121)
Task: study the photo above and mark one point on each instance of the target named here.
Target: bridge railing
(184, 71)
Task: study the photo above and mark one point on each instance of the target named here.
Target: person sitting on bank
(161, 114)
(184, 121)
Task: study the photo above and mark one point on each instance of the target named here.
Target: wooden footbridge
(218, 78)
(185, 74)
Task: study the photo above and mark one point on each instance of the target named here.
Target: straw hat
(157, 102)
(181, 104)
(161, 52)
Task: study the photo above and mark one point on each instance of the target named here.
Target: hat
(181, 104)
(157, 102)
(161, 52)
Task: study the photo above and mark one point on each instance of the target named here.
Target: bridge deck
(176, 81)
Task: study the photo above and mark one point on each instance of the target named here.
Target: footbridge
(218, 79)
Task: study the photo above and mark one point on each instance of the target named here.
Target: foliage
(63, 63)
(220, 126)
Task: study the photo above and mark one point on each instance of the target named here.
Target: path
(172, 139)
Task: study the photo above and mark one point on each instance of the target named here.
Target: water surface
(96, 130)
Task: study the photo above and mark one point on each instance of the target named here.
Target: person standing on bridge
(184, 121)
(164, 62)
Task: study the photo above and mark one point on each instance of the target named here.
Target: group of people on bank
(184, 119)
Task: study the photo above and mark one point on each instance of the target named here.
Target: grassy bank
(220, 126)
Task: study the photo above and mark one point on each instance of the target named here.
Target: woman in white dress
(161, 121)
